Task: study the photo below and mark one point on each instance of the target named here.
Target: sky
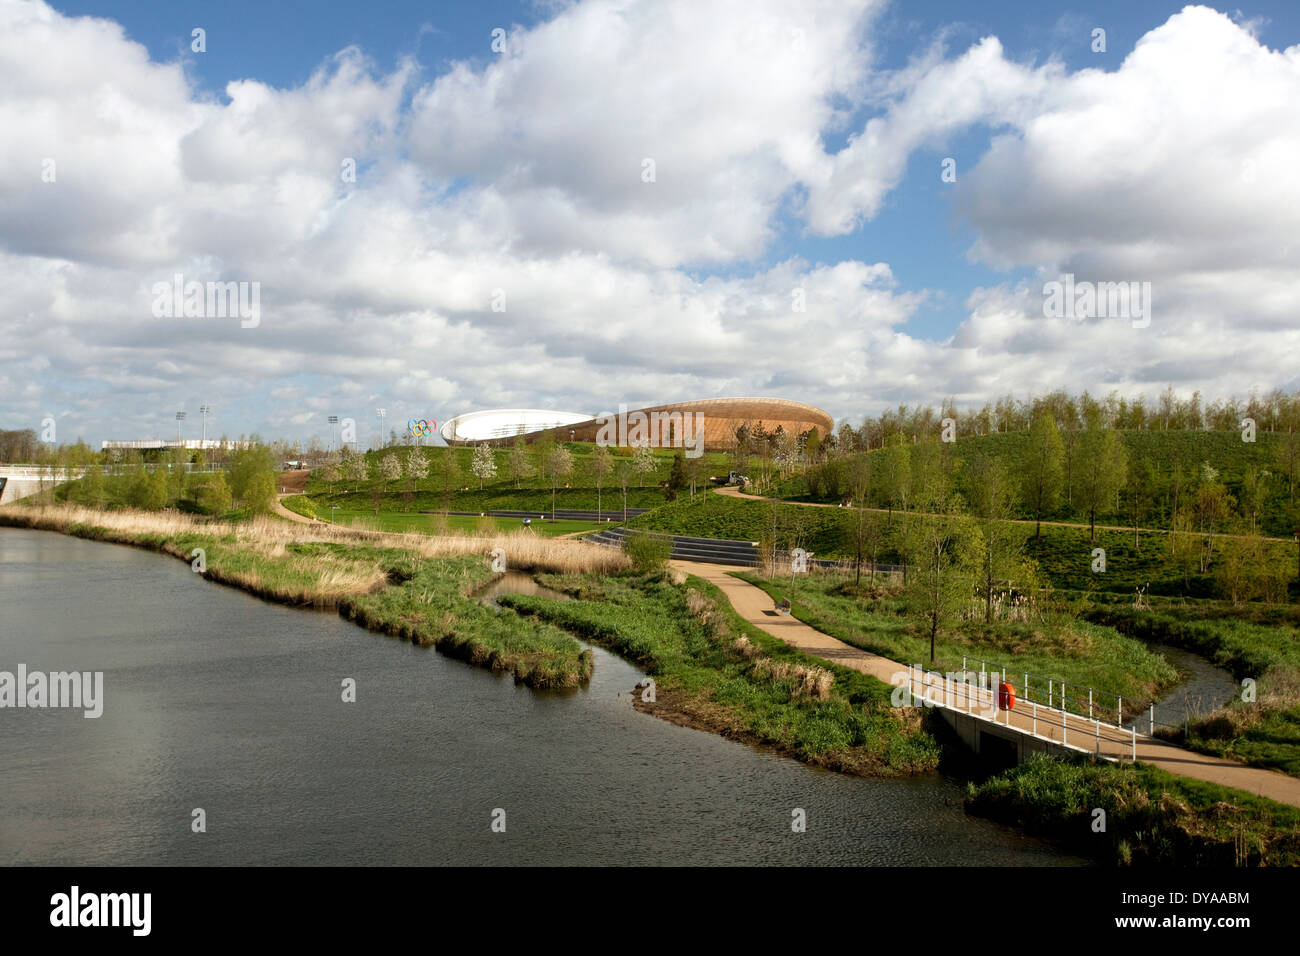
(442, 207)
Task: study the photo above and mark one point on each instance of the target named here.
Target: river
(217, 700)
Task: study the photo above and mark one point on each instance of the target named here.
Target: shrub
(648, 552)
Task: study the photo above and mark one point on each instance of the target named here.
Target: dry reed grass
(270, 536)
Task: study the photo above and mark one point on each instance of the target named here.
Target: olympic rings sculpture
(421, 428)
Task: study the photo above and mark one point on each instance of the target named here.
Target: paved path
(284, 512)
(755, 606)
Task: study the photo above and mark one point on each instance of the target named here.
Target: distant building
(146, 444)
(711, 422)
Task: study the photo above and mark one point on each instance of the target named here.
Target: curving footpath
(754, 605)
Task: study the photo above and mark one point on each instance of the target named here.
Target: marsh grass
(1152, 817)
(716, 671)
(414, 586)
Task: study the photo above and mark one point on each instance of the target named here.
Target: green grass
(1153, 818)
(689, 646)
(1055, 646)
(1253, 642)
(432, 523)
(432, 607)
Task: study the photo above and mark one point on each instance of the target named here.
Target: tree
(938, 550)
(517, 460)
(1141, 489)
(999, 548)
(1254, 483)
(1184, 549)
(1041, 469)
(246, 464)
(354, 469)
(90, 490)
(390, 467)
(676, 477)
(602, 464)
(331, 477)
(643, 462)
(260, 493)
(213, 496)
(1288, 462)
(1102, 467)
(624, 477)
(895, 476)
(484, 465)
(448, 476)
(1213, 506)
(558, 463)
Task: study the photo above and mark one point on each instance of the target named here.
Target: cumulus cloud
(516, 180)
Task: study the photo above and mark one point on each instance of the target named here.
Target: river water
(214, 699)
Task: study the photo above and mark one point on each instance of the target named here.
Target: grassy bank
(435, 524)
(1051, 645)
(412, 586)
(715, 671)
(1153, 818)
(1252, 642)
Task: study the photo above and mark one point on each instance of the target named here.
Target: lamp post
(203, 410)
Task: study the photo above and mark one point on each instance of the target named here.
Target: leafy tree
(213, 495)
(939, 549)
(245, 465)
(643, 462)
(1102, 467)
(90, 489)
(484, 465)
(895, 476)
(999, 549)
(390, 467)
(354, 469)
(1042, 469)
(676, 477)
(260, 493)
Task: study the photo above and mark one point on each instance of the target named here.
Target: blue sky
(468, 184)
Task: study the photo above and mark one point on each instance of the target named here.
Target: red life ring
(1006, 696)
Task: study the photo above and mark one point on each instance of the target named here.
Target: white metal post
(1119, 721)
(1153, 720)
(1135, 742)
(1090, 703)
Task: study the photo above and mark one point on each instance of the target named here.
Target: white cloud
(523, 173)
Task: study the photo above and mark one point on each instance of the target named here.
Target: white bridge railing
(961, 693)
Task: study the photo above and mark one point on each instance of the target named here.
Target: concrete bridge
(22, 481)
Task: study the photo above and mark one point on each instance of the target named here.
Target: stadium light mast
(203, 410)
(180, 417)
(334, 421)
(382, 412)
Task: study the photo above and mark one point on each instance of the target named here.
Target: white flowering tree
(484, 465)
